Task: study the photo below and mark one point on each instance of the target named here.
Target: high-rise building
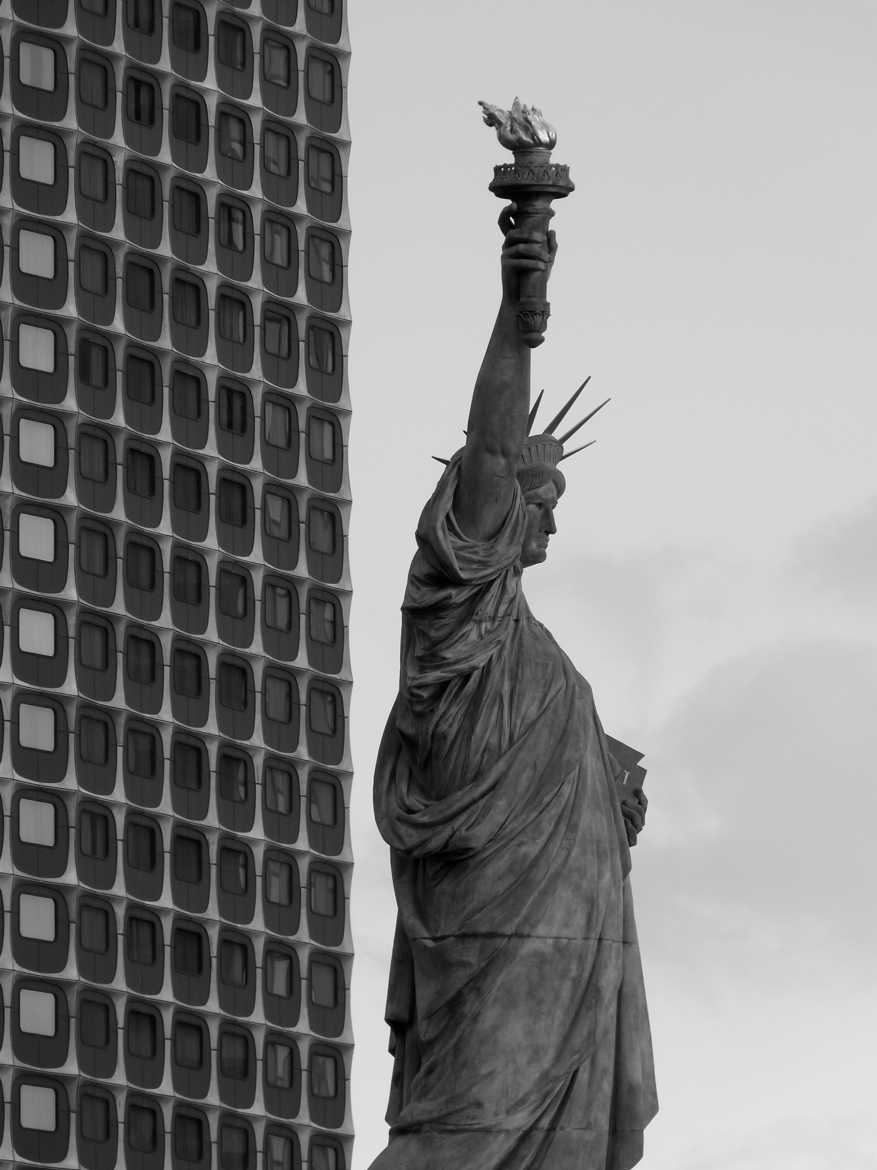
(174, 778)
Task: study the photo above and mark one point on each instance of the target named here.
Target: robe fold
(516, 1003)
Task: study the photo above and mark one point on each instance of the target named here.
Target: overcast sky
(715, 571)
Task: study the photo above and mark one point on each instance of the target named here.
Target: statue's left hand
(633, 809)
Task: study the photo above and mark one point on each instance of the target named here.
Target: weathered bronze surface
(516, 1003)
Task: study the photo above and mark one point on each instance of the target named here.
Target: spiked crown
(541, 454)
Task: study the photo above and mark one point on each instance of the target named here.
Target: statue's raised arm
(500, 406)
(498, 417)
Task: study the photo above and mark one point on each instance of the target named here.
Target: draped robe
(516, 1002)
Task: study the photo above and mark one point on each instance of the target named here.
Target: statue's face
(541, 503)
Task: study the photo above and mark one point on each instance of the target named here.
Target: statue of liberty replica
(516, 1004)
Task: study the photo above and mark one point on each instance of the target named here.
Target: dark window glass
(277, 424)
(186, 764)
(276, 62)
(279, 1064)
(186, 395)
(276, 516)
(186, 302)
(321, 258)
(186, 210)
(141, 943)
(94, 645)
(233, 963)
(232, 686)
(232, 227)
(93, 458)
(234, 1146)
(94, 1117)
(186, 29)
(94, 834)
(232, 503)
(140, 101)
(188, 584)
(140, 565)
(94, 747)
(231, 136)
(232, 319)
(278, 698)
(141, 846)
(279, 612)
(233, 870)
(187, 484)
(277, 334)
(322, 530)
(186, 119)
(94, 929)
(140, 287)
(140, 661)
(234, 1055)
(323, 711)
(94, 1022)
(321, 80)
(233, 412)
(321, 169)
(93, 84)
(233, 779)
(141, 1034)
(322, 620)
(188, 1137)
(188, 951)
(276, 243)
(276, 153)
(232, 593)
(141, 1130)
(140, 193)
(278, 790)
(231, 45)
(140, 473)
(141, 752)
(92, 176)
(188, 1045)
(321, 349)
(140, 378)
(140, 15)
(93, 363)
(187, 674)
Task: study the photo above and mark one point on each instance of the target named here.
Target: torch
(531, 182)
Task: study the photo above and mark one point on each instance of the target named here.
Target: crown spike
(573, 430)
(576, 450)
(532, 417)
(439, 459)
(561, 414)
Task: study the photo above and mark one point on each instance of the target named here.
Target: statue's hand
(522, 253)
(633, 809)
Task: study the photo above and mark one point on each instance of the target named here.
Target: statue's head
(542, 481)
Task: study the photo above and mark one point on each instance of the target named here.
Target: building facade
(175, 769)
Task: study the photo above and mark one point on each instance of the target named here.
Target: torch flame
(521, 127)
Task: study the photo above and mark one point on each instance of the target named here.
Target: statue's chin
(533, 556)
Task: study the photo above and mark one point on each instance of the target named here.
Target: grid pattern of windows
(174, 708)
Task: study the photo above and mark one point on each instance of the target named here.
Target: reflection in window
(278, 1064)
(278, 882)
(232, 227)
(36, 537)
(36, 442)
(278, 974)
(38, 1107)
(36, 254)
(36, 822)
(321, 169)
(234, 778)
(36, 66)
(321, 349)
(36, 159)
(324, 1075)
(276, 243)
(278, 698)
(277, 334)
(36, 348)
(278, 607)
(277, 516)
(276, 152)
(232, 319)
(322, 620)
(323, 711)
(278, 1152)
(278, 790)
(37, 1012)
(36, 917)
(36, 727)
(276, 61)
(231, 136)
(321, 530)
(321, 80)
(233, 870)
(321, 258)
(321, 439)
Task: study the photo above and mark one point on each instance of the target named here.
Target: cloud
(839, 556)
(761, 826)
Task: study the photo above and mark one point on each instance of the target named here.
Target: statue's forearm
(501, 399)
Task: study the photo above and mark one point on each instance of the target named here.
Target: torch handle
(533, 215)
